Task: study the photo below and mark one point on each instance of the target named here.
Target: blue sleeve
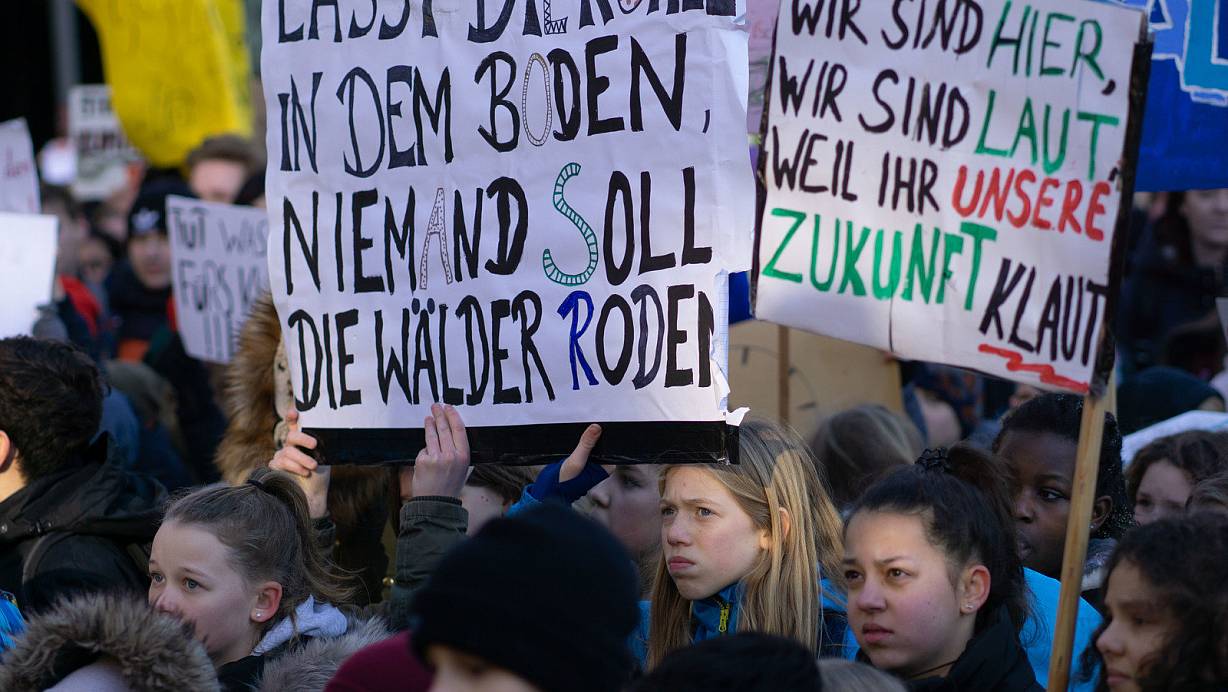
(11, 622)
(834, 606)
(525, 503)
(1037, 633)
(638, 641)
(548, 487)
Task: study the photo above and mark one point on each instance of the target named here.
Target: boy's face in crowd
(1137, 627)
(217, 180)
(457, 671)
(628, 503)
(903, 606)
(150, 254)
(1162, 492)
(1043, 464)
(190, 577)
(710, 542)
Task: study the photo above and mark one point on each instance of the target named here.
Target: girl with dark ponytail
(240, 565)
(936, 591)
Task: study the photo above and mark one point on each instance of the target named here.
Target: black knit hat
(548, 595)
(148, 212)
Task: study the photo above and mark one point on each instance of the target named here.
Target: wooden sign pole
(1100, 400)
(1083, 497)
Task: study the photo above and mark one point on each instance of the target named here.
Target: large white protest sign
(19, 175)
(943, 179)
(522, 208)
(27, 269)
(219, 268)
(103, 152)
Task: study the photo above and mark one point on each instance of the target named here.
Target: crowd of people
(166, 524)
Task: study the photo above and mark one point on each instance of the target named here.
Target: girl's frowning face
(908, 612)
(709, 541)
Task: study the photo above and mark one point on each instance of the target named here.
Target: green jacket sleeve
(430, 527)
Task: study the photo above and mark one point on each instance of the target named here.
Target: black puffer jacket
(79, 529)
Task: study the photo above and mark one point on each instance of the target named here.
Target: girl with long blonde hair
(744, 547)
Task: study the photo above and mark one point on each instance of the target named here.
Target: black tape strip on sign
(691, 442)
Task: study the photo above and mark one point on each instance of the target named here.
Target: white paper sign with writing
(19, 175)
(219, 268)
(522, 208)
(942, 179)
(27, 269)
(103, 152)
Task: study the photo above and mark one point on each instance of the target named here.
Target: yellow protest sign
(178, 71)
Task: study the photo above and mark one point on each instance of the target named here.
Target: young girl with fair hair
(744, 547)
(239, 564)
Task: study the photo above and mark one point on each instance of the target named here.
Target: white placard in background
(102, 150)
(18, 172)
(219, 267)
(27, 269)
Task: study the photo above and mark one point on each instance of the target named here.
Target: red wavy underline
(1047, 374)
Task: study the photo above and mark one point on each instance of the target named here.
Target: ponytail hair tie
(257, 484)
(935, 460)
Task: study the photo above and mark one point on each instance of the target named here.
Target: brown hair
(1210, 494)
(860, 445)
(255, 521)
(781, 594)
(508, 482)
(1199, 454)
(228, 147)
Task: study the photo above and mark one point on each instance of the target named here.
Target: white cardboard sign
(524, 209)
(18, 172)
(27, 269)
(942, 179)
(219, 268)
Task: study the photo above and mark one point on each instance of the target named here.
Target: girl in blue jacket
(743, 548)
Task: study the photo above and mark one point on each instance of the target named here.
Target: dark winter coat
(993, 661)
(78, 530)
(1163, 294)
(146, 334)
(153, 652)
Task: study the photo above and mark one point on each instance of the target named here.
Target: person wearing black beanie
(546, 598)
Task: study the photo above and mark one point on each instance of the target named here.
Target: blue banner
(1185, 129)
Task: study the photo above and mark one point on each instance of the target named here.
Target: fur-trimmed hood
(309, 667)
(251, 392)
(153, 651)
